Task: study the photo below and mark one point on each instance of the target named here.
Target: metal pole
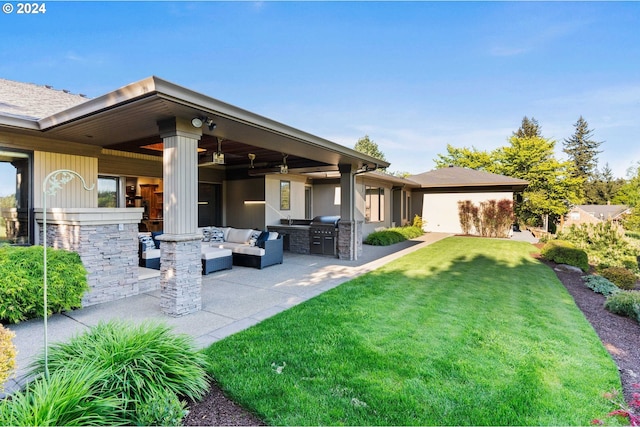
(58, 179)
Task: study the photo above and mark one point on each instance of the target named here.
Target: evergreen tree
(528, 129)
(583, 151)
(603, 189)
(367, 146)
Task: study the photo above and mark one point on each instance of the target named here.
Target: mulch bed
(620, 336)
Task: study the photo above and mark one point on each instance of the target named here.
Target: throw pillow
(262, 238)
(254, 237)
(206, 234)
(147, 243)
(155, 234)
(216, 235)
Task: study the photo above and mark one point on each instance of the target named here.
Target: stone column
(180, 256)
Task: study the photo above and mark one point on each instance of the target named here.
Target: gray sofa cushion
(239, 235)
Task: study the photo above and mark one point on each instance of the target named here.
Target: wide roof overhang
(127, 119)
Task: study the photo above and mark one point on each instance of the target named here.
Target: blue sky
(414, 76)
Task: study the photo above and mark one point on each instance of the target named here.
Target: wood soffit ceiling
(236, 153)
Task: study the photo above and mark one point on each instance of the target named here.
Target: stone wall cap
(166, 237)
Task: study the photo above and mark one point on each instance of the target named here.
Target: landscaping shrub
(69, 397)
(623, 278)
(138, 360)
(624, 303)
(466, 212)
(563, 252)
(605, 243)
(161, 408)
(418, 222)
(493, 218)
(7, 355)
(21, 282)
(633, 234)
(393, 235)
(600, 285)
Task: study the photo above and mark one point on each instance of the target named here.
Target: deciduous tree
(464, 157)
(552, 185)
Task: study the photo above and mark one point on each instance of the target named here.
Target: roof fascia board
(17, 122)
(120, 96)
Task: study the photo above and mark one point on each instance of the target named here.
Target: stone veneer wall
(109, 251)
(181, 274)
(345, 248)
(298, 237)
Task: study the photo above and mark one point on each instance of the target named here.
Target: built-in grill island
(309, 236)
(323, 235)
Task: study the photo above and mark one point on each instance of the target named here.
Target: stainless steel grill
(323, 235)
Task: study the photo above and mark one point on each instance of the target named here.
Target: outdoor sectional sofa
(249, 248)
(222, 247)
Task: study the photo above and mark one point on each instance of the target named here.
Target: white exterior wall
(273, 213)
(440, 210)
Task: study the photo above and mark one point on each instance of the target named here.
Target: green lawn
(466, 331)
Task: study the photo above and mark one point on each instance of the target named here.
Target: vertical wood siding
(72, 194)
(180, 185)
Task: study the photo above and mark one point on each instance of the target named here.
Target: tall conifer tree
(583, 151)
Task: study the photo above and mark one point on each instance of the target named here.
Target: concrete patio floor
(232, 300)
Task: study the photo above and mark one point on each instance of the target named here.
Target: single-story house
(439, 191)
(593, 214)
(156, 156)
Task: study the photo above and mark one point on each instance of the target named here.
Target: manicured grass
(467, 331)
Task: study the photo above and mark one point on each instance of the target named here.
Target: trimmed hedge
(393, 235)
(564, 252)
(22, 278)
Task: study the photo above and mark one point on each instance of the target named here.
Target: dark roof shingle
(32, 102)
(462, 177)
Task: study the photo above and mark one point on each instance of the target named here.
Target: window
(374, 204)
(108, 191)
(285, 195)
(16, 220)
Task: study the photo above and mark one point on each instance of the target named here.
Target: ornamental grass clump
(68, 397)
(139, 361)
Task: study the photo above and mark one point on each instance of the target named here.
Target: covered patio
(159, 129)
